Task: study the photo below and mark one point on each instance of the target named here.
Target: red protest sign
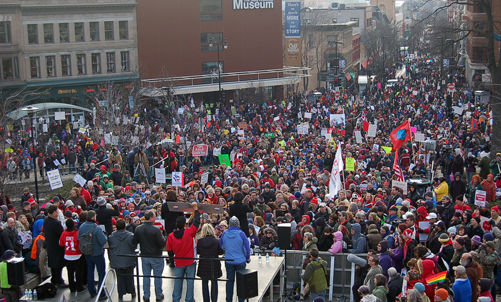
(200, 150)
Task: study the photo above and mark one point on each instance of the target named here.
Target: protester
(75, 264)
(120, 243)
(209, 269)
(53, 230)
(314, 275)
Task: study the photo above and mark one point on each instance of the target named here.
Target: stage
(267, 271)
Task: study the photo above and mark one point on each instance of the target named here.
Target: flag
(335, 184)
(365, 123)
(398, 172)
(437, 278)
(400, 136)
(474, 124)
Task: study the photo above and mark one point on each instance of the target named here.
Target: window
(35, 67)
(211, 68)
(50, 62)
(123, 30)
(96, 63)
(64, 33)
(211, 10)
(48, 33)
(311, 40)
(81, 64)
(5, 36)
(108, 30)
(79, 32)
(356, 21)
(207, 38)
(331, 41)
(94, 31)
(124, 60)
(10, 68)
(110, 62)
(307, 21)
(32, 33)
(66, 65)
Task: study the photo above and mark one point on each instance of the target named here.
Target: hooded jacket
(462, 290)
(359, 240)
(120, 243)
(428, 270)
(337, 246)
(385, 259)
(380, 292)
(235, 245)
(181, 242)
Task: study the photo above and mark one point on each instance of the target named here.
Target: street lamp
(218, 45)
(30, 110)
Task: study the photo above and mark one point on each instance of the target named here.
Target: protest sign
(160, 175)
(200, 150)
(372, 130)
(480, 198)
(204, 179)
(419, 137)
(301, 129)
(79, 180)
(307, 115)
(386, 149)
(59, 115)
(55, 180)
(350, 164)
(177, 179)
(400, 184)
(337, 120)
(358, 137)
(224, 159)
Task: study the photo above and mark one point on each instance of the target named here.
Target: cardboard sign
(204, 179)
(160, 175)
(59, 115)
(480, 198)
(358, 137)
(224, 159)
(80, 180)
(55, 180)
(200, 150)
(350, 164)
(372, 130)
(400, 184)
(177, 179)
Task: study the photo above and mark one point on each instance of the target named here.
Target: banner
(200, 150)
(335, 184)
(292, 19)
(160, 175)
(55, 180)
(177, 179)
(293, 52)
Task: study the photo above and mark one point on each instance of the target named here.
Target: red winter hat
(496, 208)
(314, 200)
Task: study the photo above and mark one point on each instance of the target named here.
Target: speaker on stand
(284, 243)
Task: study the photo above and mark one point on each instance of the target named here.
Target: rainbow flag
(437, 278)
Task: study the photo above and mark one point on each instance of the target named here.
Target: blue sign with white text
(292, 19)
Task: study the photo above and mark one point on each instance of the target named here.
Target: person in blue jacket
(462, 286)
(236, 247)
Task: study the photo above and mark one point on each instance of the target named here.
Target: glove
(248, 260)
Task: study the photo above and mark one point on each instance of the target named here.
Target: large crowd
(277, 172)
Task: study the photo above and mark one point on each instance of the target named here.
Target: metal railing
(103, 287)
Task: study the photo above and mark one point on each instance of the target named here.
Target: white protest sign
(372, 130)
(375, 147)
(160, 175)
(400, 184)
(277, 118)
(423, 225)
(59, 115)
(301, 129)
(57, 163)
(419, 137)
(45, 128)
(177, 179)
(324, 132)
(55, 180)
(307, 115)
(216, 151)
(107, 138)
(457, 110)
(337, 119)
(358, 137)
(80, 180)
(480, 198)
(204, 179)
(241, 132)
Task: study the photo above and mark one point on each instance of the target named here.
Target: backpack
(85, 242)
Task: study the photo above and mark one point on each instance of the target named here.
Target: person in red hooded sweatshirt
(489, 186)
(422, 213)
(427, 268)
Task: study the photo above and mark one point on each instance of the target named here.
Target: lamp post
(30, 110)
(218, 45)
(337, 57)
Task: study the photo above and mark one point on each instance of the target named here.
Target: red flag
(400, 136)
(365, 123)
(474, 124)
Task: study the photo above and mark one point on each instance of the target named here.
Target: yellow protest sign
(386, 149)
(350, 164)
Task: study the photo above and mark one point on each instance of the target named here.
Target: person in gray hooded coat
(120, 243)
(358, 239)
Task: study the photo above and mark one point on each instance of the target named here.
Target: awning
(19, 113)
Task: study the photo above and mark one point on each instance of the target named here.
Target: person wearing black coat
(120, 243)
(208, 247)
(240, 210)
(104, 215)
(446, 210)
(446, 252)
(395, 284)
(169, 218)
(53, 229)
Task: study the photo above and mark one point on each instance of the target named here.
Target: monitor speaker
(284, 236)
(246, 284)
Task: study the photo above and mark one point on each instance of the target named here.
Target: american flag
(398, 172)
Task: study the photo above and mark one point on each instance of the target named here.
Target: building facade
(192, 46)
(67, 48)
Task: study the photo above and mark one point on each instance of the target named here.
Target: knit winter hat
(234, 222)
